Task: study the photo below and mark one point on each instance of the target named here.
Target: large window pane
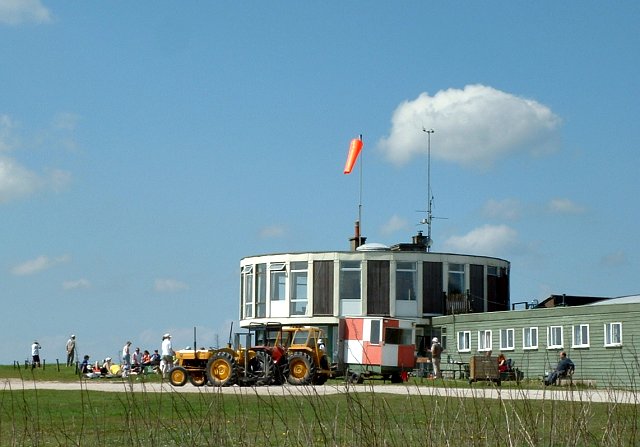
(247, 290)
(456, 279)
(299, 295)
(278, 281)
(350, 280)
(261, 290)
(406, 275)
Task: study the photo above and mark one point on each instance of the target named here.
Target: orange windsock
(354, 151)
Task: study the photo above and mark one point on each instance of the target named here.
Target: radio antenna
(429, 218)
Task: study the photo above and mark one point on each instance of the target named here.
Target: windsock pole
(360, 195)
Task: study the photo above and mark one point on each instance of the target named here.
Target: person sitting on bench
(565, 367)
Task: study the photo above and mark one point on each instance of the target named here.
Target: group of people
(136, 361)
(132, 361)
(565, 365)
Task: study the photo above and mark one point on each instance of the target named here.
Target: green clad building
(602, 339)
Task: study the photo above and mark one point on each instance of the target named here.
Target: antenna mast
(430, 195)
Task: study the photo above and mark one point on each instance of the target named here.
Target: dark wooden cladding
(498, 291)
(476, 287)
(378, 288)
(432, 288)
(322, 287)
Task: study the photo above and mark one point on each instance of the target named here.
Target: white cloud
(273, 231)
(16, 181)
(76, 284)
(169, 285)
(15, 12)
(489, 240)
(38, 264)
(393, 225)
(509, 209)
(564, 206)
(474, 126)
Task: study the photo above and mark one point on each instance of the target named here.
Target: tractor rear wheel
(178, 376)
(280, 371)
(222, 369)
(260, 369)
(301, 369)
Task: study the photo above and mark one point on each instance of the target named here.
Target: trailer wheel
(178, 376)
(301, 369)
(198, 378)
(222, 369)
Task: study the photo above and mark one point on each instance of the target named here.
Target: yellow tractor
(307, 360)
(277, 354)
(254, 361)
(190, 366)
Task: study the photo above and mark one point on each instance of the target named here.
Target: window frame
(403, 269)
(348, 275)
(299, 287)
(608, 334)
(247, 290)
(510, 344)
(551, 338)
(583, 330)
(529, 330)
(483, 334)
(277, 270)
(465, 336)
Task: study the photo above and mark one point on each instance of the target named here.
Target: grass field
(33, 417)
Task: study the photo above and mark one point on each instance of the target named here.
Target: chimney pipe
(357, 240)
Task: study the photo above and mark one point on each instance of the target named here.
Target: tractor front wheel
(178, 376)
(301, 369)
(197, 378)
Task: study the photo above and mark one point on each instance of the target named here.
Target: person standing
(436, 356)
(126, 358)
(71, 349)
(35, 354)
(166, 362)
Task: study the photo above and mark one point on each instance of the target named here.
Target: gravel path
(480, 390)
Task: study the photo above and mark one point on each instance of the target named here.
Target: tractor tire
(322, 374)
(178, 376)
(198, 378)
(260, 369)
(222, 369)
(320, 379)
(280, 371)
(301, 369)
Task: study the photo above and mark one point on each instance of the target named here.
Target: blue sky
(145, 148)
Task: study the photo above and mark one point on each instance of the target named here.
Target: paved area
(480, 390)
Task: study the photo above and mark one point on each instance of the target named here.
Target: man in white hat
(35, 354)
(71, 349)
(436, 355)
(166, 362)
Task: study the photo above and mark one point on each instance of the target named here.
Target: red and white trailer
(376, 346)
